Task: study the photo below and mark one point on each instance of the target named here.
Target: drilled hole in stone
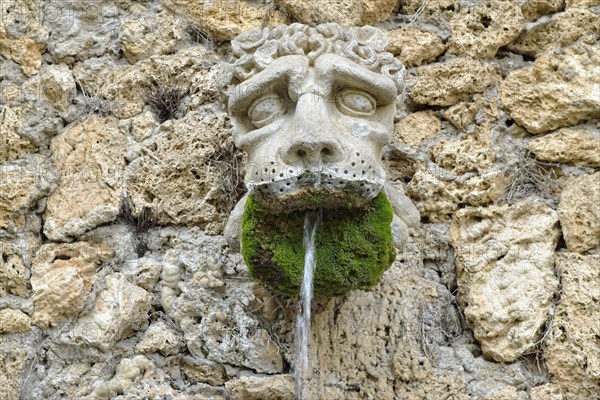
(301, 153)
(353, 164)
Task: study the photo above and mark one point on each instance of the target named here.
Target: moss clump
(353, 247)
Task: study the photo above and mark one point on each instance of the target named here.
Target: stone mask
(313, 108)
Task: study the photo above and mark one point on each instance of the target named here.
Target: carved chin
(315, 190)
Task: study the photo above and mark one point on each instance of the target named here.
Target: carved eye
(266, 109)
(355, 103)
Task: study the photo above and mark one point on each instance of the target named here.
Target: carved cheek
(370, 130)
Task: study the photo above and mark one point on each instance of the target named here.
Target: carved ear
(233, 228)
(402, 206)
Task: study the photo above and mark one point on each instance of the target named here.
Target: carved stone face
(314, 132)
(313, 127)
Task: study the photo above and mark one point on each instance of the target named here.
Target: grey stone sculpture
(313, 108)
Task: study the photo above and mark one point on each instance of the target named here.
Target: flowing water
(312, 220)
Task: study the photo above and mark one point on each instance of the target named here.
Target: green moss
(353, 247)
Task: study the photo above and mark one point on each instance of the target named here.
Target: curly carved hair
(254, 50)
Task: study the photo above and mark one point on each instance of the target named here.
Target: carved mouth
(312, 190)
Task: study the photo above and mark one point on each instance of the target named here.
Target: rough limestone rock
(414, 46)
(120, 310)
(13, 360)
(224, 19)
(533, 9)
(12, 144)
(549, 391)
(278, 387)
(481, 30)
(160, 338)
(25, 51)
(369, 341)
(14, 321)
(571, 349)
(24, 182)
(417, 127)
(558, 90)
(89, 155)
(461, 114)
(443, 84)
(468, 153)
(503, 252)
(562, 30)
(14, 275)
(343, 12)
(56, 84)
(185, 175)
(142, 38)
(579, 213)
(582, 3)
(440, 8)
(126, 87)
(438, 195)
(574, 146)
(62, 276)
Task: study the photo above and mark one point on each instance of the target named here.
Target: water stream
(312, 220)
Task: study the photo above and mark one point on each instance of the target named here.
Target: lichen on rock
(353, 247)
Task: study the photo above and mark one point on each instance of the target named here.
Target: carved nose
(314, 152)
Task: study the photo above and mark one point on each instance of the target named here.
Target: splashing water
(312, 220)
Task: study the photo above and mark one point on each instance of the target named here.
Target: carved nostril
(325, 151)
(301, 153)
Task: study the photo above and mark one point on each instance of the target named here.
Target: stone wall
(117, 173)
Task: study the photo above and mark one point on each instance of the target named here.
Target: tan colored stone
(417, 127)
(414, 46)
(22, 184)
(533, 9)
(582, 3)
(558, 90)
(562, 30)
(444, 8)
(225, 19)
(370, 339)
(62, 277)
(14, 321)
(204, 371)
(443, 84)
(160, 338)
(142, 38)
(25, 51)
(58, 85)
(461, 114)
(578, 146)
(276, 387)
(14, 276)
(481, 30)
(13, 361)
(181, 176)
(127, 86)
(343, 12)
(549, 391)
(505, 268)
(506, 393)
(12, 145)
(374, 11)
(468, 153)
(579, 212)
(89, 155)
(571, 348)
(437, 197)
(120, 310)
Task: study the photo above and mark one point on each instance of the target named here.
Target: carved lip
(315, 190)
